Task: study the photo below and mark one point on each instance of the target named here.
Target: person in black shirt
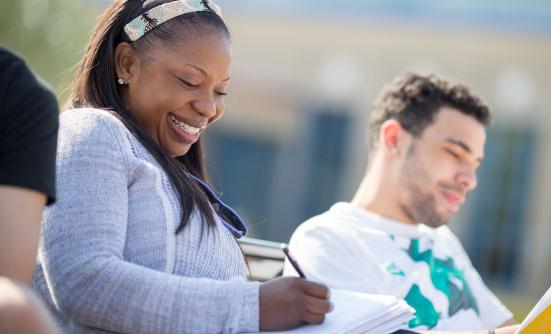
(28, 139)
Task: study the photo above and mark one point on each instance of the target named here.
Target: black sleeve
(29, 123)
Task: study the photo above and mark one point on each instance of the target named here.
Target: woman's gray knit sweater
(110, 260)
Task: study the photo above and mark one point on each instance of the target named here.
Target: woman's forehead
(210, 54)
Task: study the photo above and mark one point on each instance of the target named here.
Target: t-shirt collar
(373, 220)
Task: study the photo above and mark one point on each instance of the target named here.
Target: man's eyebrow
(459, 143)
(463, 145)
(203, 71)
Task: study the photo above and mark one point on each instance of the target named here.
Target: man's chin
(436, 224)
(426, 210)
(437, 221)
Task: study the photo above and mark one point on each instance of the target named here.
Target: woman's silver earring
(394, 150)
(120, 81)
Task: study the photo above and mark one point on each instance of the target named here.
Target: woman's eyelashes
(187, 83)
(192, 85)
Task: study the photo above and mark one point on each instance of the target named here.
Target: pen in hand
(293, 262)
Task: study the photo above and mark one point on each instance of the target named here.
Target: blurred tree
(49, 34)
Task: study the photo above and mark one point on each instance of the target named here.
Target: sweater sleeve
(83, 239)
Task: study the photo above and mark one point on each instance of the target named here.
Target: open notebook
(356, 312)
(538, 321)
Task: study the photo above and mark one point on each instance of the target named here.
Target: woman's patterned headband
(156, 16)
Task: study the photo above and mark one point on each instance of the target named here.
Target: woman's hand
(288, 302)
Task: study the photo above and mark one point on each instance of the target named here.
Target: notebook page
(353, 310)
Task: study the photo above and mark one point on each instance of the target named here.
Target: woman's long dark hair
(95, 86)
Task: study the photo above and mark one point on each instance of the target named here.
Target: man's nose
(467, 178)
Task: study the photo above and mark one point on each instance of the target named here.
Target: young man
(427, 139)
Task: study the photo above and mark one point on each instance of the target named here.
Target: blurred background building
(304, 76)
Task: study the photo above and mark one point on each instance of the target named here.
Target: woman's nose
(206, 107)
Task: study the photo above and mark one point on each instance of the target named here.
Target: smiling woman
(172, 99)
(177, 91)
(137, 242)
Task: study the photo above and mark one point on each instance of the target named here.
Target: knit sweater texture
(110, 259)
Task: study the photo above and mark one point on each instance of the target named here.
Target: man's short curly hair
(413, 100)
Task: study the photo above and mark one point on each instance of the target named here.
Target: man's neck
(379, 197)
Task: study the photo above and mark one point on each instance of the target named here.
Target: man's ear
(126, 62)
(391, 137)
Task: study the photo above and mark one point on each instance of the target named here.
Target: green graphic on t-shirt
(425, 314)
(392, 268)
(443, 273)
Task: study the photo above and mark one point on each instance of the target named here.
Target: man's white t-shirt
(351, 248)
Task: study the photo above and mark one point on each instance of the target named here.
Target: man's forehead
(459, 129)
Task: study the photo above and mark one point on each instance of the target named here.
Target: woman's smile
(186, 132)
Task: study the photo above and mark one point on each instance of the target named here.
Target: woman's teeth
(186, 127)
